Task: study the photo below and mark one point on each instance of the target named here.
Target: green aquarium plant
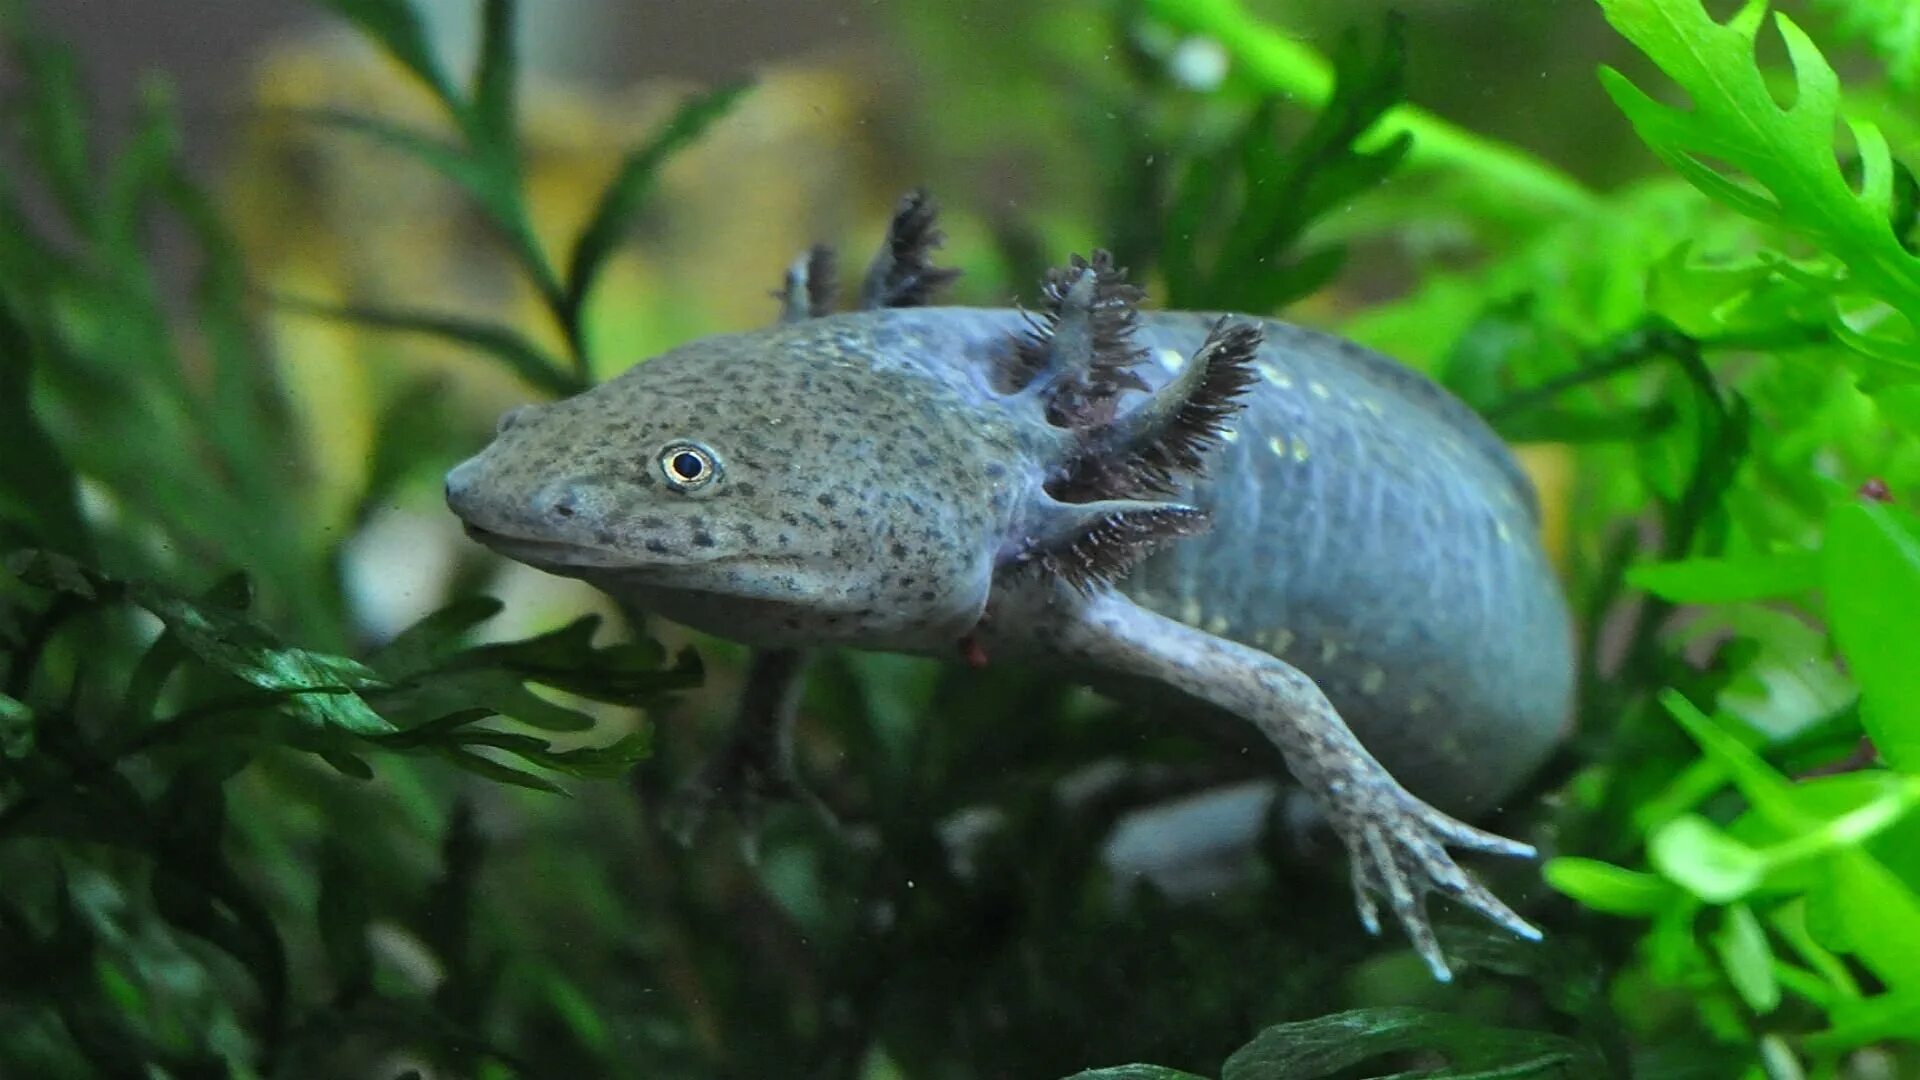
(242, 836)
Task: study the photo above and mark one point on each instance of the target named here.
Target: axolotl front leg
(1397, 844)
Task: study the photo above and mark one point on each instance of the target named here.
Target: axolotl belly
(1266, 521)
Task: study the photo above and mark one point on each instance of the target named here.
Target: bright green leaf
(1741, 944)
(1728, 579)
(1872, 577)
(1785, 163)
(1705, 861)
(627, 192)
(1612, 889)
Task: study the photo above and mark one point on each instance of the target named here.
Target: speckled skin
(1373, 553)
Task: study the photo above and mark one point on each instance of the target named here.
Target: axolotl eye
(688, 466)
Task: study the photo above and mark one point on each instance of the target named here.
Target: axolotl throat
(1255, 518)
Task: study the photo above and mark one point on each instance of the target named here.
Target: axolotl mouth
(720, 572)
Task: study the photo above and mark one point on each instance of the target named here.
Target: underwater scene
(949, 539)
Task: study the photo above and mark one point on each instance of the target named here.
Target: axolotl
(1236, 513)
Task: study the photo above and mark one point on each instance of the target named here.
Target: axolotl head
(789, 486)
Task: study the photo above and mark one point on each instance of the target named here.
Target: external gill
(1093, 545)
(902, 273)
(1146, 450)
(1077, 353)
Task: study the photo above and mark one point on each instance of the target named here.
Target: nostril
(564, 508)
(511, 417)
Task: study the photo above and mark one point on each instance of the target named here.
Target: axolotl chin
(1252, 517)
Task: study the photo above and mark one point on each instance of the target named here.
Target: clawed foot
(742, 782)
(1398, 849)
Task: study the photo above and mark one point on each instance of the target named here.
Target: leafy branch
(1780, 166)
(484, 163)
(1282, 66)
(1235, 211)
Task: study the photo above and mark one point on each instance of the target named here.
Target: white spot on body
(1299, 449)
(1190, 611)
(1229, 435)
(1269, 372)
(1329, 650)
(1171, 359)
(1419, 703)
(1279, 640)
(1372, 680)
(1278, 444)
(1318, 390)
(1216, 625)
(1506, 534)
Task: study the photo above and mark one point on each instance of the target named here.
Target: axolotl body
(1263, 520)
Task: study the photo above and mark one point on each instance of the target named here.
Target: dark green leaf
(587, 762)
(627, 192)
(56, 126)
(397, 28)
(494, 78)
(493, 187)
(1134, 1072)
(624, 673)
(344, 914)
(490, 691)
(525, 359)
(1474, 1051)
(433, 638)
(37, 488)
(16, 728)
(498, 772)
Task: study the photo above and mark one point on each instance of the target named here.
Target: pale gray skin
(1373, 555)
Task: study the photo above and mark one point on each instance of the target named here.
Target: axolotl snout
(1262, 520)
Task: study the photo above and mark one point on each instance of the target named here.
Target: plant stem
(1287, 67)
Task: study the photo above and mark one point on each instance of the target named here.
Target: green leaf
(627, 192)
(625, 673)
(1729, 579)
(344, 913)
(1134, 1072)
(16, 728)
(1329, 1044)
(432, 639)
(1705, 861)
(1609, 888)
(319, 689)
(55, 128)
(525, 359)
(498, 771)
(494, 79)
(1872, 580)
(38, 491)
(1741, 944)
(396, 27)
(1856, 905)
(1789, 155)
(1240, 210)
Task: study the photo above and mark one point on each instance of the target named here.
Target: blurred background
(260, 286)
